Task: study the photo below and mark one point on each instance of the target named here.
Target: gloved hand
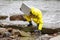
(30, 23)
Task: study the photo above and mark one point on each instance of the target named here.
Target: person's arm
(28, 18)
(30, 23)
(40, 20)
(40, 26)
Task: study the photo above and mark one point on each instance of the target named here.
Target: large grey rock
(46, 37)
(55, 38)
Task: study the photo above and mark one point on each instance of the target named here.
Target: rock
(7, 34)
(46, 37)
(10, 30)
(27, 38)
(20, 32)
(18, 38)
(15, 32)
(24, 33)
(16, 17)
(55, 38)
(1, 35)
(14, 36)
(55, 34)
(2, 30)
(49, 31)
(3, 17)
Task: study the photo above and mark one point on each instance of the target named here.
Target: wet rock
(49, 31)
(16, 17)
(3, 17)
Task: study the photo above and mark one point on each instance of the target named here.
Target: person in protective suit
(36, 16)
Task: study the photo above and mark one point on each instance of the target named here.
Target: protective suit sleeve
(40, 20)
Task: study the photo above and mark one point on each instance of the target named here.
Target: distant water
(50, 10)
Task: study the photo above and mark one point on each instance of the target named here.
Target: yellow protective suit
(37, 18)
